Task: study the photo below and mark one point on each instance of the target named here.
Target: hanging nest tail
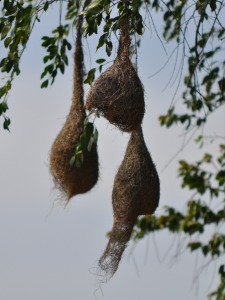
(136, 192)
(70, 179)
(117, 94)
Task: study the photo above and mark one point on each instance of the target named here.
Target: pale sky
(51, 252)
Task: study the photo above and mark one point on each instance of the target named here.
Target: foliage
(205, 82)
(88, 138)
(56, 46)
(199, 215)
(201, 68)
(203, 95)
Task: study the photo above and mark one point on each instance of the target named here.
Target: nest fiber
(117, 94)
(69, 179)
(136, 192)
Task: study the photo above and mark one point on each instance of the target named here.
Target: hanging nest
(70, 179)
(117, 94)
(136, 192)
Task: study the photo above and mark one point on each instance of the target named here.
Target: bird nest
(70, 179)
(118, 94)
(136, 192)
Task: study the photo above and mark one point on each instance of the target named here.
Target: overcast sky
(51, 252)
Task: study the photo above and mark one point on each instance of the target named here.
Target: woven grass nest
(117, 94)
(69, 179)
(136, 192)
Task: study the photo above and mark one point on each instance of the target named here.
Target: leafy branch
(16, 24)
(88, 139)
(57, 58)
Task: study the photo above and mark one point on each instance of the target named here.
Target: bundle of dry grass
(69, 179)
(117, 94)
(136, 192)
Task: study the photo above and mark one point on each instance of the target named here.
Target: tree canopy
(198, 30)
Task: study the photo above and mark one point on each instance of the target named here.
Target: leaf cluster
(201, 98)
(3, 109)
(204, 81)
(198, 215)
(17, 20)
(88, 138)
(196, 177)
(100, 11)
(91, 73)
(56, 46)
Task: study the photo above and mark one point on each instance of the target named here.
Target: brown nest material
(136, 192)
(71, 180)
(118, 94)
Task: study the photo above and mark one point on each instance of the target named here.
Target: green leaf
(49, 68)
(207, 158)
(109, 47)
(62, 68)
(221, 84)
(93, 4)
(78, 162)
(139, 25)
(220, 177)
(212, 4)
(95, 136)
(102, 40)
(199, 139)
(89, 147)
(43, 74)
(9, 66)
(89, 130)
(100, 61)
(82, 158)
(83, 141)
(3, 62)
(5, 30)
(167, 15)
(7, 41)
(45, 84)
(209, 54)
(205, 250)
(86, 121)
(3, 92)
(3, 107)
(90, 76)
(72, 161)
(99, 19)
(6, 124)
(65, 59)
(46, 6)
(194, 246)
(222, 270)
(9, 7)
(46, 59)
(68, 45)
(79, 148)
